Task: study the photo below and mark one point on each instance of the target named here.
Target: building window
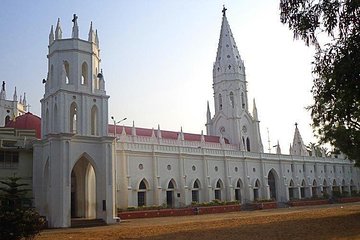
(232, 99)
(238, 191)
(94, 121)
(220, 102)
(248, 144)
(9, 159)
(142, 194)
(256, 190)
(67, 72)
(84, 73)
(73, 118)
(218, 188)
(195, 191)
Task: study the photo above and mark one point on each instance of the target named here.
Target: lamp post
(116, 122)
(115, 158)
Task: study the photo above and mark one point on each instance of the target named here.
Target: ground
(319, 222)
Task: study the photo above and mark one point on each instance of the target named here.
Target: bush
(17, 219)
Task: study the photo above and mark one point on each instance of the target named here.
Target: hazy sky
(157, 59)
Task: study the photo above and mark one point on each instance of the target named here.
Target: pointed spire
(298, 146)
(290, 149)
(228, 63)
(159, 132)
(153, 133)
(15, 95)
(75, 29)
(24, 99)
(97, 39)
(123, 132)
(255, 112)
(3, 91)
(181, 135)
(91, 37)
(133, 129)
(58, 31)
(208, 113)
(20, 101)
(202, 138)
(278, 149)
(51, 35)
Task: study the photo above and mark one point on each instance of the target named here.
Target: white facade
(80, 170)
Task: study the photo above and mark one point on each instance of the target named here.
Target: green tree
(336, 67)
(17, 219)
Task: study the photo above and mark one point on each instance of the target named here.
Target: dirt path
(321, 222)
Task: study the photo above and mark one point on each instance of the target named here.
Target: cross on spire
(296, 124)
(74, 18)
(224, 10)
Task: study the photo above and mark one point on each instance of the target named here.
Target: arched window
(170, 194)
(73, 118)
(232, 99)
(242, 100)
(314, 189)
(47, 121)
(220, 102)
(84, 73)
(55, 127)
(51, 73)
(7, 119)
(291, 190)
(218, 188)
(94, 121)
(195, 191)
(343, 187)
(142, 193)
(248, 144)
(67, 72)
(302, 189)
(256, 190)
(238, 190)
(325, 187)
(335, 187)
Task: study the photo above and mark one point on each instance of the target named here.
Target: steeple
(3, 92)
(228, 64)
(91, 37)
(75, 29)
(58, 31)
(51, 35)
(298, 147)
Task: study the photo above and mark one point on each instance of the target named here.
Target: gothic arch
(67, 72)
(142, 188)
(94, 121)
(170, 193)
(256, 189)
(73, 118)
(83, 188)
(239, 188)
(195, 190)
(273, 183)
(248, 144)
(218, 189)
(314, 188)
(84, 74)
(303, 189)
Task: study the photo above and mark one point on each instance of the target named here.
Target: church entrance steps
(83, 222)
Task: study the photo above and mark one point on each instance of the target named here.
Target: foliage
(336, 68)
(17, 219)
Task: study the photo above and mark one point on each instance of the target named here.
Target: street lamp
(116, 122)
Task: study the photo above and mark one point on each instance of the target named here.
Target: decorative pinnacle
(224, 10)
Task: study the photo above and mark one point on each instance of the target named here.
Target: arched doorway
(195, 191)
(218, 190)
(83, 190)
(170, 194)
(272, 184)
(238, 188)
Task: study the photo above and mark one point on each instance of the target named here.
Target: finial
(74, 18)
(3, 86)
(296, 124)
(224, 10)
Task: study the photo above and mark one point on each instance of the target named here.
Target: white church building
(81, 170)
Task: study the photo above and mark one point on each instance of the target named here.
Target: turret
(3, 91)
(91, 37)
(51, 35)
(298, 147)
(58, 31)
(75, 29)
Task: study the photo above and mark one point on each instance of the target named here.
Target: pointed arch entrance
(170, 198)
(83, 189)
(272, 184)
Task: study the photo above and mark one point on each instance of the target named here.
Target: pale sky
(157, 59)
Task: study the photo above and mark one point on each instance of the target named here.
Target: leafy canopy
(333, 27)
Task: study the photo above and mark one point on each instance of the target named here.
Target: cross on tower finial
(296, 124)
(224, 10)
(74, 18)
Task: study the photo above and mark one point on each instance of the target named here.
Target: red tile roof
(26, 121)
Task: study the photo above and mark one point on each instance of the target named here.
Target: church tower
(232, 119)
(73, 173)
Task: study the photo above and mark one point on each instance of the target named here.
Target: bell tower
(232, 119)
(73, 171)
(75, 100)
